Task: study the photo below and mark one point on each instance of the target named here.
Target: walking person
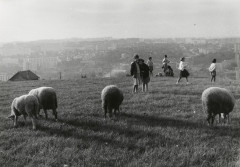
(183, 72)
(212, 70)
(165, 62)
(144, 72)
(135, 72)
(150, 65)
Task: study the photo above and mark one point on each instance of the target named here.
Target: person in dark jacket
(144, 72)
(135, 73)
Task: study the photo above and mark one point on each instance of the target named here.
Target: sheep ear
(11, 116)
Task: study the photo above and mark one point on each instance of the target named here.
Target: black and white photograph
(119, 83)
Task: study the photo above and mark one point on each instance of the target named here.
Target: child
(183, 71)
(212, 70)
(144, 75)
(150, 65)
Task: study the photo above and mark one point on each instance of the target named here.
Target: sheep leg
(25, 119)
(116, 111)
(226, 118)
(105, 110)
(136, 88)
(208, 118)
(143, 87)
(55, 114)
(110, 111)
(15, 120)
(45, 112)
(213, 116)
(146, 87)
(133, 89)
(38, 113)
(219, 118)
(33, 123)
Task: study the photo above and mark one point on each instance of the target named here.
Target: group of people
(167, 69)
(141, 72)
(185, 74)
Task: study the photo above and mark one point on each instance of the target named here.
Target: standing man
(135, 72)
(150, 65)
(144, 73)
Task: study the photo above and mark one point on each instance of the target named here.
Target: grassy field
(165, 127)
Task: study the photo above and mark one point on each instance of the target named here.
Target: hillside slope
(165, 127)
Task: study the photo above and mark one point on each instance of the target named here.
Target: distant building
(203, 51)
(189, 41)
(9, 60)
(195, 41)
(207, 50)
(39, 63)
(219, 66)
(112, 47)
(201, 41)
(180, 40)
(3, 77)
(24, 76)
(237, 47)
(14, 49)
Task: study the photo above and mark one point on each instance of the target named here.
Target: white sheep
(112, 98)
(215, 101)
(47, 99)
(26, 105)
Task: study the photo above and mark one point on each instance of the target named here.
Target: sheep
(112, 98)
(26, 105)
(47, 99)
(215, 101)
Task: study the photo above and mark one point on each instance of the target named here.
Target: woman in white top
(183, 72)
(212, 70)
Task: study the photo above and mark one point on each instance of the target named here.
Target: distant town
(109, 57)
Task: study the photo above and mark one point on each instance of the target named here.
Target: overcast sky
(24, 20)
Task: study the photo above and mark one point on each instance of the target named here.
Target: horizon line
(115, 38)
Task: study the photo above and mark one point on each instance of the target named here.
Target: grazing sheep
(26, 105)
(112, 98)
(215, 101)
(47, 98)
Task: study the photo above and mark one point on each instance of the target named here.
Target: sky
(28, 20)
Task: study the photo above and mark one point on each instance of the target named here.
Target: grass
(165, 127)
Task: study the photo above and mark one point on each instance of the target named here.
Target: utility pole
(60, 75)
(237, 53)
